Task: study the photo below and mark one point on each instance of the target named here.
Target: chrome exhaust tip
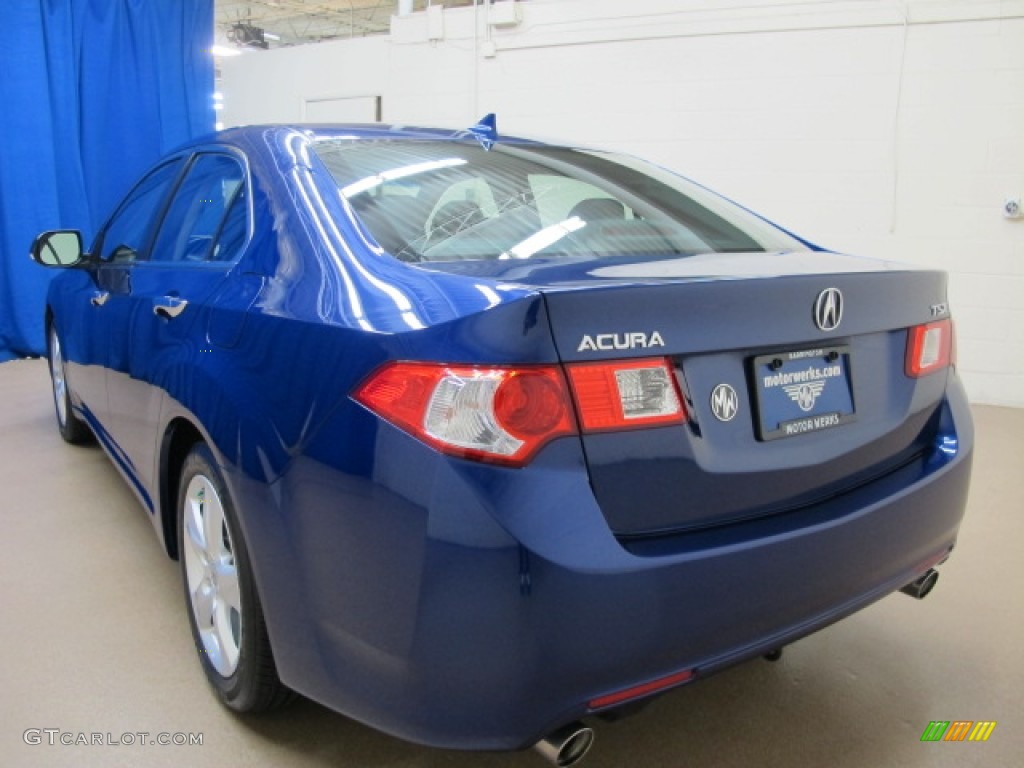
(921, 586)
(566, 746)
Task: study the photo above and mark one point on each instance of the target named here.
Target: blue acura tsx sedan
(470, 437)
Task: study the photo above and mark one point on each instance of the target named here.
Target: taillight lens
(929, 348)
(505, 414)
(626, 394)
(497, 414)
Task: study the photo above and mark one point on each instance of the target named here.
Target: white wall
(879, 127)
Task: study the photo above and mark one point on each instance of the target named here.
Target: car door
(160, 305)
(121, 242)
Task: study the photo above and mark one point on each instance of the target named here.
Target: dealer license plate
(802, 391)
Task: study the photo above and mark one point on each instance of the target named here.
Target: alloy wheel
(60, 390)
(212, 576)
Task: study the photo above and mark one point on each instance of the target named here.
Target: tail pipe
(566, 746)
(921, 586)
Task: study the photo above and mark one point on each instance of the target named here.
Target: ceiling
(279, 23)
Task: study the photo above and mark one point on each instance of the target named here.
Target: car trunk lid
(783, 410)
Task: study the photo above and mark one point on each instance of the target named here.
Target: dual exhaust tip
(566, 746)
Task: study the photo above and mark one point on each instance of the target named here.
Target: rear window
(445, 201)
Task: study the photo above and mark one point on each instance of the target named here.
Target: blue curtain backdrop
(92, 92)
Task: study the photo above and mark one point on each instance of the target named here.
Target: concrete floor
(95, 639)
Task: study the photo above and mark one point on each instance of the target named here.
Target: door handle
(169, 307)
(99, 298)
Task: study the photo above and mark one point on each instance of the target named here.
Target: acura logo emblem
(724, 402)
(828, 309)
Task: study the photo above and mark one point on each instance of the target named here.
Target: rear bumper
(493, 611)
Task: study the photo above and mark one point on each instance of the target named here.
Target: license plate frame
(802, 391)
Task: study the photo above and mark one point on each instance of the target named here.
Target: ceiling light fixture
(246, 35)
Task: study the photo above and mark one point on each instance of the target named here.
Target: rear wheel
(71, 428)
(223, 606)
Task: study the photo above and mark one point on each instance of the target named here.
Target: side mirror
(62, 248)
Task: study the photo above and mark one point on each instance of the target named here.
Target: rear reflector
(929, 348)
(626, 394)
(638, 691)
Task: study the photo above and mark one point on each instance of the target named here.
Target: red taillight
(505, 414)
(626, 394)
(532, 403)
(929, 348)
(497, 414)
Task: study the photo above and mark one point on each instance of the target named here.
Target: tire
(224, 608)
(71, 428)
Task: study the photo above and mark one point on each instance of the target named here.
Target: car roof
(318, 131)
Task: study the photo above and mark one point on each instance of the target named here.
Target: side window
(127, 233)
(233, 229)
(212, 187)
